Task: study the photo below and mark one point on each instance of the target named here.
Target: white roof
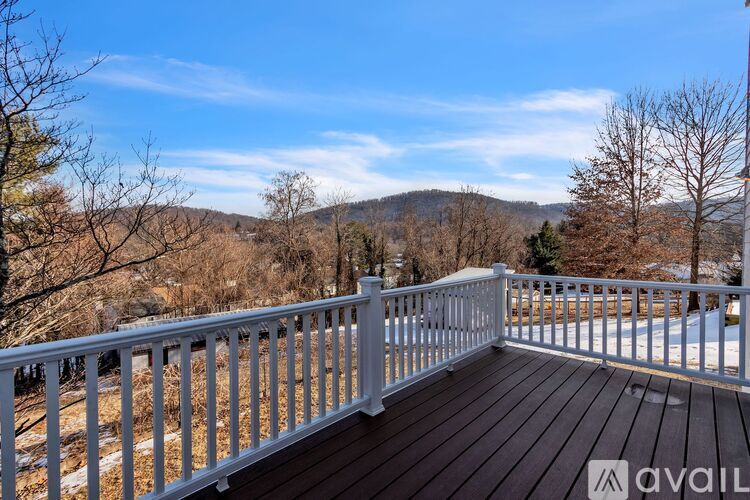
(465, 273)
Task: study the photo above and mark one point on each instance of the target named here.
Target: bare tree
(223, 273)
(627, 143)
(701, 126)
(338, 203)
(615, 224)
(478, 233)
(469, 232)
(413, 234)
(34, 141)
(289, 226)
(468, 218)
(104, 222)
(58, 234)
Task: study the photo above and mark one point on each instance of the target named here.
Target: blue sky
(383, 97)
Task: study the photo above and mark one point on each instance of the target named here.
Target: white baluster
(186, 410)
(336, 355)
(273, 351)
(126, 413)
(291, 407)
(211, 399)
(234, 393)
(157, 372)
(52, 395)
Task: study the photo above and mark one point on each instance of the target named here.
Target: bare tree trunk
(4, 256)
(695, 257)
(339, 258)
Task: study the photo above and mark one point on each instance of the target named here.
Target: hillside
(218, 218)
(430, 203)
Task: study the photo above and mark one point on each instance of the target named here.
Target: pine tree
(545, 254)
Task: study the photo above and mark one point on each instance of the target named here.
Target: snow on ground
(673, 334)
(73, 482)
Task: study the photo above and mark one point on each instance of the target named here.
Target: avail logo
(608, 480)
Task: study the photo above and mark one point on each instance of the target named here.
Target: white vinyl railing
(321, 360)
(321, 327)
(640, 323)
(245, 385)
(432, 326)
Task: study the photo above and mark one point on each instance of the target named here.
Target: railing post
(499, 270)
(744, 333)
(373, 345)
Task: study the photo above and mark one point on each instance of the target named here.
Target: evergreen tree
(545, 250)
(733, 274)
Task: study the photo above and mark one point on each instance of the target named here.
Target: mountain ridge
(427, 203)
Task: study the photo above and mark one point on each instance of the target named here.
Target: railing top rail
(68, 348)
(397, 292)
(662, 285)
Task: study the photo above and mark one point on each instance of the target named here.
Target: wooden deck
(510, 424)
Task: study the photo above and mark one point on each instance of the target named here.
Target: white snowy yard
(675, 338)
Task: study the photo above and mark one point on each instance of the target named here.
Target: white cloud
(576, 100)
(519, 176)
(200, 81)
(489, 137)
(570, 100)
(494, 148)
(185, 79)
(350, 155)
(230, 180)
(345, 159)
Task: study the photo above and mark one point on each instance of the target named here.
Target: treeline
(430, 203)
(660, 195)
(661, 189)
(85, 244)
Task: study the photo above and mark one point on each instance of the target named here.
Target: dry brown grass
(31, 482)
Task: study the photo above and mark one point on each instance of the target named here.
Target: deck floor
(512, 423)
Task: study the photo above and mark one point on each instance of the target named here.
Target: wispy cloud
(186, 79)
(497, 143)
(494, 148)
(576, 100)
(353, 161)
(204, 82)
(342, 159)
(343, 154)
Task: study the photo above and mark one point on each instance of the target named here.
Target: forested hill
(430, 203)
(425, 204)
(229, 221)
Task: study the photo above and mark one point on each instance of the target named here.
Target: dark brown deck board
(453, 476)
(512, 423)
(484, 480)
(566, 431)
(670, 447)
(733, 450)
(612, 439)
(378, 445)
(418, 474)
(563, 471)
(433, 396)
(641, 443)
(701, 444)
(471, 427)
